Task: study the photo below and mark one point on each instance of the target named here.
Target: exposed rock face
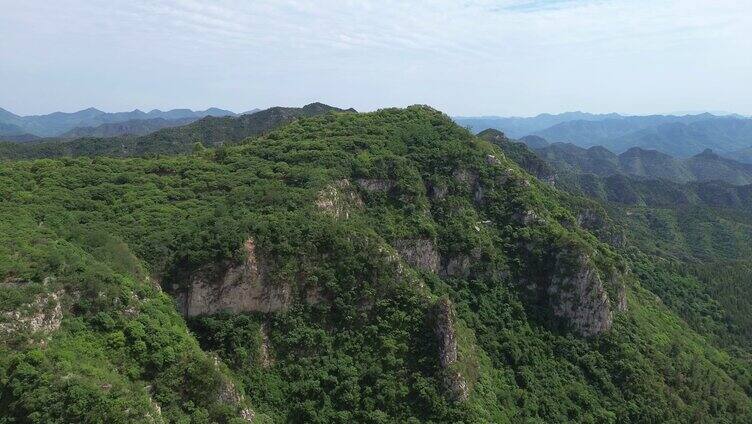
(419, 253)
(229, 395)
(492, 160)
(466, 176)
(621, 292)
(42, 316)
(339, 199)
(590, 220)
(478, 194)
(527, 217)
(446, 334)
(437, 192)
(458, 265)
(235, 287)
(580, 296)
(375, 184)
(265, 357)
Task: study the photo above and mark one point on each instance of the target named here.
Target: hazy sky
(465, 57)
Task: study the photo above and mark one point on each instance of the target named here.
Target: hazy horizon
(475, 58)
(675, 113)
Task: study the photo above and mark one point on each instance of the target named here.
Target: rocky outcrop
(621, 291)
(228, 394)
(40, 317)
(578, 294)
(375, 184)
(243, 287)
(465, 176)
(458, 265)
(591, 220)
(419, 253)
(492, 160)
(445, 332)
(478, 194)
(528, 217)
(436, 191)
(265, 357)
(339, 199)
(446, 335)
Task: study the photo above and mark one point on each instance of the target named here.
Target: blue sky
(466, 57)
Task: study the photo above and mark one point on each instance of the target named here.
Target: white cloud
(476, 56)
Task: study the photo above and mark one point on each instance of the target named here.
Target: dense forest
(364, 267)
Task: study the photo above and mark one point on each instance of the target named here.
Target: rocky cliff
(232, 287)
(446, 334)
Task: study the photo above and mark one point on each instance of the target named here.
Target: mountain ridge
(345, 267)
(56, 123)
(646, 163)
(207, 132)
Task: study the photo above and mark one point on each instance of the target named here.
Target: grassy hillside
(411, 273)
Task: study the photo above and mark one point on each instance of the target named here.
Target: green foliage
(96, 229)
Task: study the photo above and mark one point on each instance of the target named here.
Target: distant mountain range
(634, 177)
(210, 131)
(646, 164)
(132, 127)
(57, 123)
(517, 127)
(680, 136)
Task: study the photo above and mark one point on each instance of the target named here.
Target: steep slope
(132, 127)
(697, 238)
(524, 157)
(381, 267)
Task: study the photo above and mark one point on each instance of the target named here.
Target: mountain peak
(5, 112)
(708, 154)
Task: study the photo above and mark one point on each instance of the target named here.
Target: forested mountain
(702, 233)
(206, 132)
(132, 127)
(743, 155)
(55, 124)
(10, 129)
(678, 136)
(645, 164)
(379, 267)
